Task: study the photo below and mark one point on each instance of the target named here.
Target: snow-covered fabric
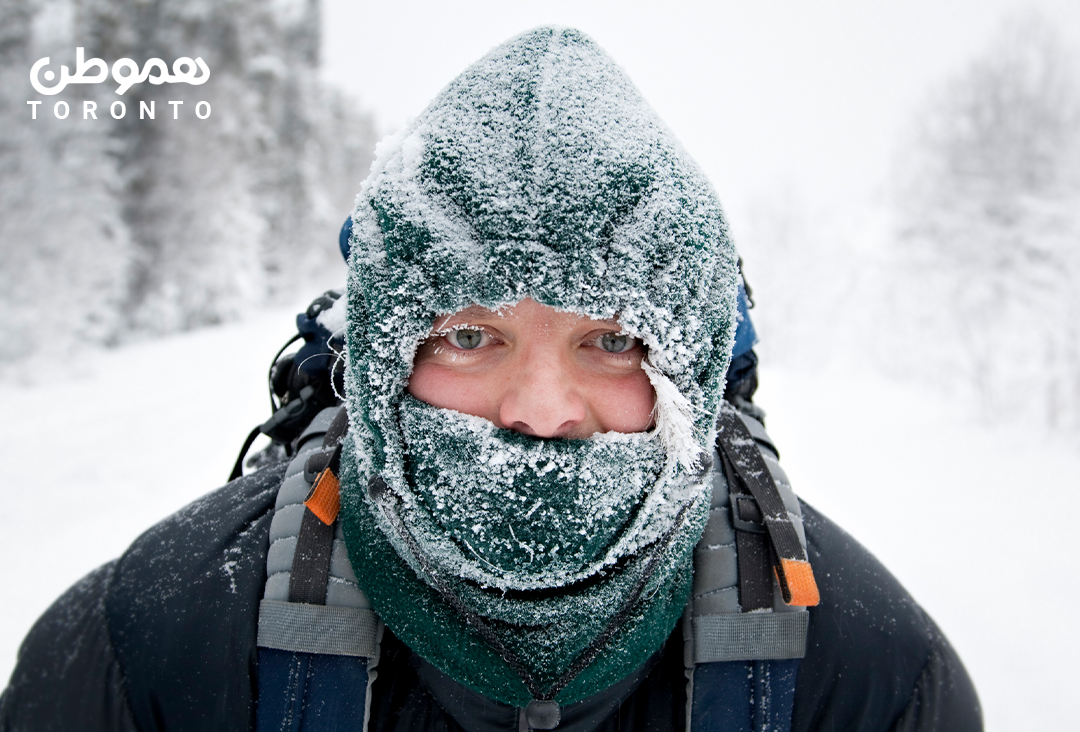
(546, 630)
(515, 512)
(539, 173)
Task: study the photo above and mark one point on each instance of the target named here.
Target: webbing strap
(737, 446)
(311, 562)
(755, 574)
(337, 631)
(751, 543)
(749, 636)
(315, 544)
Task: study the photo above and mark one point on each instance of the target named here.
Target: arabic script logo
(184, 71)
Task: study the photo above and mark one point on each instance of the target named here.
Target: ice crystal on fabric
(540, 172)
(516, 512)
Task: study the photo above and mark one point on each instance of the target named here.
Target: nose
(543, 401)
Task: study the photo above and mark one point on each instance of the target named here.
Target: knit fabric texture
(540, 172)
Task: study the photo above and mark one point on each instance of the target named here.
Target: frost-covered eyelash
(442, 333)
(445, 329)
(456, 348)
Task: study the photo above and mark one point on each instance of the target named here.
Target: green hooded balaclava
(524, 567)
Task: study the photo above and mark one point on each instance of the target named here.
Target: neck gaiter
(547, 541)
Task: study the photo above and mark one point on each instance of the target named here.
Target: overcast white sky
(771, 96)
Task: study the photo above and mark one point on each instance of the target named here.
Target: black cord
(238, 468)
(274, 406)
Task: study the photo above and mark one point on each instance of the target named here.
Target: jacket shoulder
(163, 636)
(183, 608)
(875, 660)
(67, 676)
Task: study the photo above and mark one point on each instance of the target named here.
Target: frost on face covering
(515, 512)
(538, 173)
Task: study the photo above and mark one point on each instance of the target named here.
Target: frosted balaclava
(530, 568)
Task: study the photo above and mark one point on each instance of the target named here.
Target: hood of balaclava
(523, 567)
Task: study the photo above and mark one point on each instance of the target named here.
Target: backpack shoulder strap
(756, 493)
(744, 633)
(318, 636)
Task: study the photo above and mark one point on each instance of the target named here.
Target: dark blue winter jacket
(164, 638)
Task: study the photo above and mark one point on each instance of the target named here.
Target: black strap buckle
(745, 513)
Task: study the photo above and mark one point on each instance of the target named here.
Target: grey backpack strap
(312, 602)
(322, 629)
(717, 626)
(742, 641)
(740, 610)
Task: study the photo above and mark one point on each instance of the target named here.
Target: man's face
(536, 370)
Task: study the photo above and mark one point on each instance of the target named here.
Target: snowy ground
(975, 522)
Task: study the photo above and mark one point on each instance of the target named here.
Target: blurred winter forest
(114, 230)
(969, 278)
(965, 277)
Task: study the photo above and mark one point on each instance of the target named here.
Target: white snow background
(798, 113)
(976, 522)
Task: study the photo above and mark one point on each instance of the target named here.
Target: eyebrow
(479, 311)
(473, 311)
(469, 313)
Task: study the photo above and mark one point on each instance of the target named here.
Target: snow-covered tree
(989, 212)
(114, 228)
(64, 245)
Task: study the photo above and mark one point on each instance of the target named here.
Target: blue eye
(617, 342)
(465, 338)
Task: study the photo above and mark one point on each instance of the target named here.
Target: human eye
(616, 342)
(467, 339)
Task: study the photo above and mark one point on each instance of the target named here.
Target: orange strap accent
(324, 500)
(798, 583)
